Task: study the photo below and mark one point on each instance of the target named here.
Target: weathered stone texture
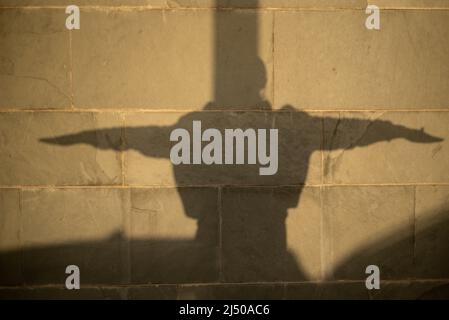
(163, 60)
(432, 232)
(85, 171)
(329, 60)
(28, 157)
(368, 226)
(10, 268)
(378, 148)
(174, 235)
(177, 4)
(77, 226)
(148, 144)
(406, 4)
(258, 245)
(34, 59)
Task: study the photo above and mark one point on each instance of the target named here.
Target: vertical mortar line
(322, 244)
(322, 147)
(125, 195)
(272, 58)
(124, 293)
(177, 290)
(414, 224)
(220, 233)
(21, 260)
(123, 144)
(72, 102)
(284, 290)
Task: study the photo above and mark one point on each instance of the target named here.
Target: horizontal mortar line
(403, 184)
(199, 284)
(308, 282)
(159, 8)
(149, 186)
(139, 110)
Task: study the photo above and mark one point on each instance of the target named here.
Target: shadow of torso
(250, 229)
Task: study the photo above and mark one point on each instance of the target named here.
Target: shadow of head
(241, 87)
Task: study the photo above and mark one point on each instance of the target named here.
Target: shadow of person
(250, 229)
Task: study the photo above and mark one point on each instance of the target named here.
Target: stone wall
(86, 179)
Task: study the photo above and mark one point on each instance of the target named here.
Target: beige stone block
(329, 60)
(284, 4)
(142, 59)
(432, 232)
(408, 4)
(67, 215)
(303, 226)
(175, 4)
(83, 227)
(34, 60)
(10, 264)
(174, 235)
(368, 226)
(160, 213)
(9, 219)
(311, 4)
(51, 148)
(89, 3)
(266, 237)
(166, 59)
(147, 157)
(243, 61)
(386, 147)
(148, 149)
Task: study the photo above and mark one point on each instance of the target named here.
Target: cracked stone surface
(149, 148)
(27, 160)
(363, 174)
(384, 161)
(329, 60)
(34, 60)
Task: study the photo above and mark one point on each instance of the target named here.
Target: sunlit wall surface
(87, 176)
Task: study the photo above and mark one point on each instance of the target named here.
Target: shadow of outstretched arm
(150, 141)
(154, 141)
(360, 133)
